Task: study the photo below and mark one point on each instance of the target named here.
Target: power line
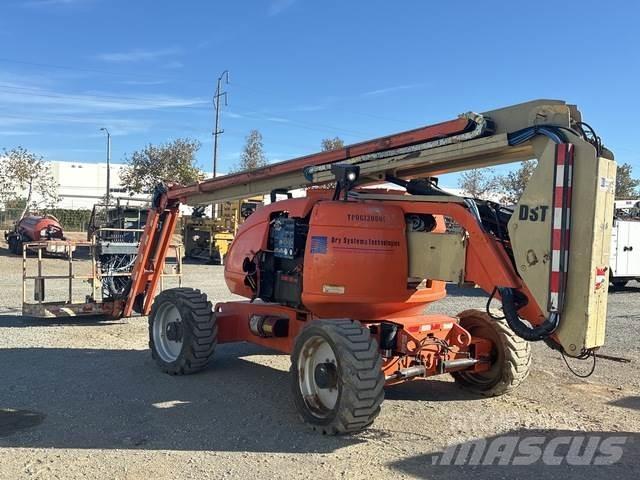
(379, 117)
(106, 98)
(66, 67)
(146, 102)
(288, 123)
(171, 127)
(195, 82)
(308, 125)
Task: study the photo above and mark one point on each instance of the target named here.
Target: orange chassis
(434, 343)
(417, 338)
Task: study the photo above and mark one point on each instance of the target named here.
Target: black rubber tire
(15, 245)
(200, 331)
(512, 356)
(619, 283)
(12, 245)
(360, 376)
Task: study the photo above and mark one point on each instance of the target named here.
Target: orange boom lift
(341, 280)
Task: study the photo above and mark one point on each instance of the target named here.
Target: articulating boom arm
(557, 239)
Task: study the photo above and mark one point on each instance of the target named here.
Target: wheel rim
(168, 333)
(318, 376)
(477, 329)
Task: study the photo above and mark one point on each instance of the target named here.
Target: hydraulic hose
(532, 334)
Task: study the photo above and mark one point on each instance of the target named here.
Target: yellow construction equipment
(209, 239)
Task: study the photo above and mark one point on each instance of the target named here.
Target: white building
(81, 185)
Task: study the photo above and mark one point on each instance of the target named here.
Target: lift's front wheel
(510, 356)
(336, 376)
(182, 331)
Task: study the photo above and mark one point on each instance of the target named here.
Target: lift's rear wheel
(182, 331)
(511, 356)
(336, 376)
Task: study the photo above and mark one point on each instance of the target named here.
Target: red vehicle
(33, 228)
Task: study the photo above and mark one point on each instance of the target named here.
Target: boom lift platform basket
(97, 300)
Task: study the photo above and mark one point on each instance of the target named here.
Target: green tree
(478, 183)
(252, 156)
(171, 162)
(626, 185)
(513, 183)
(328, 144)
(25, 176)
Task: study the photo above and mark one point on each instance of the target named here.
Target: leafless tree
(25, 175)
(513, 183)
(335, 143)
(478, 183)
(253, 153)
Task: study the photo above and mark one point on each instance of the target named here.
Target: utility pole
(216, 103)
(103, 129)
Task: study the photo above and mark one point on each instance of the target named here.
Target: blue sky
(302, 70)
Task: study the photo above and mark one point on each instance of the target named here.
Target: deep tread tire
(200, 334)
(512, 356)
(619, 283)
(360, 376)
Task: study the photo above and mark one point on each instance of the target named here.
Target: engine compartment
(281, 263)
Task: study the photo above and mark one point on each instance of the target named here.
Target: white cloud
(173, 64)
(78, 102)
(13, 121)
(16, 133)
(256, 116)
(43, 3)
(28, 103)
(138, 55)
(277, 119)
(382, 91)
(117, 126)
(278, 6)
(308, 108)
(144, 83)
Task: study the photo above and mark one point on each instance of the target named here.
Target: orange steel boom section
(163, 214)
(152, 254)
(410, 137)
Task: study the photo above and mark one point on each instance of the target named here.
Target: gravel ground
(92, 404)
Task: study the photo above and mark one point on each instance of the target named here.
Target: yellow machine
(209, 239)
